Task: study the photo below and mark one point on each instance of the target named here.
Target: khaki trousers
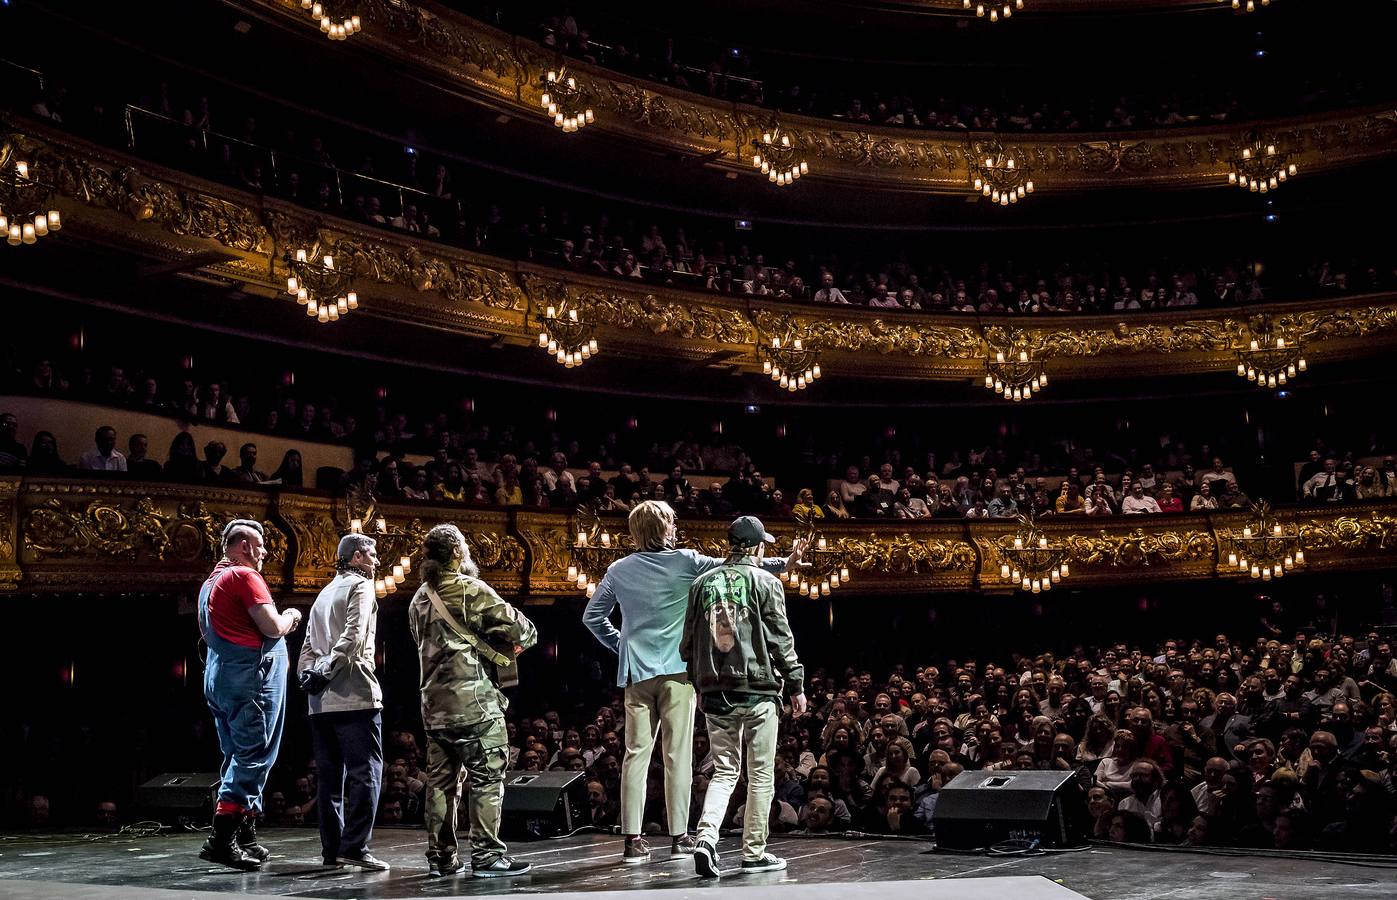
(662, 704)
(749, 731)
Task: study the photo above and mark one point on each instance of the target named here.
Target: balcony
(117, 537)
(235, 239)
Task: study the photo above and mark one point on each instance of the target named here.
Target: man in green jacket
(463, 628)
(741, 656)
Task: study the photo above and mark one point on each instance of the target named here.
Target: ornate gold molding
(74, 534)
(1138, 548)
(506, 72)
(173, 215)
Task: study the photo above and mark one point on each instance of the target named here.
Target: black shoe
(683, 845)
(330, 863)
(438, 869)
(502, 867)
(222, 845)
(706, 859)
(247, 839)
(364, 860)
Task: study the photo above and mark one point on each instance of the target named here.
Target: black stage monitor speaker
(186, 795)
(981, 809)
(543, 804)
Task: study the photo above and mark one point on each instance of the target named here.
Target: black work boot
(222, 845)
(247, 839)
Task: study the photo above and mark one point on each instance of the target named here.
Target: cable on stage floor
(1366, 860)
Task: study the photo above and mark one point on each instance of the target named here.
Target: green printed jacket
(736, 636)
(456, 686)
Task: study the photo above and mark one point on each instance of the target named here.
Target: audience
(872, 753)
(870, 94)
(458, 456)
(682, 252)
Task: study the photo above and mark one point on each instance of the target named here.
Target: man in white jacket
(346, 723)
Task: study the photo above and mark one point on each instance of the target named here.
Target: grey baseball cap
(748, 531)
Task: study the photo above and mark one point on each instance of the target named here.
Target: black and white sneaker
(767, 863)
(502, 867)
(364, 860)
(439, 869)
(706, 860)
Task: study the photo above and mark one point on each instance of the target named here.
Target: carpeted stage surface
(68, 867)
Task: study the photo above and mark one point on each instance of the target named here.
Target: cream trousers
(749, 731)
(664, 704)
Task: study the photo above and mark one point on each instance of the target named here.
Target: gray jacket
(339, 644)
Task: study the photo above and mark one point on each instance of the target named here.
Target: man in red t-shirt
(245, 686)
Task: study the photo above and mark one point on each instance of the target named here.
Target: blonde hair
(652, 525)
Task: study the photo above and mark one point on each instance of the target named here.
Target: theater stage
(587, 867)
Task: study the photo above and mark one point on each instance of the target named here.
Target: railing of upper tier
(118, 536)
(507, 72)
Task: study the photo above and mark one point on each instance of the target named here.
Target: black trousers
(349, 768)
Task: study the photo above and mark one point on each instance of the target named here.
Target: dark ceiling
(265, 62)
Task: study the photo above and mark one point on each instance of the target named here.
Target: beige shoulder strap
(470, 637)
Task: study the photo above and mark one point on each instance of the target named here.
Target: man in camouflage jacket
(462, 710)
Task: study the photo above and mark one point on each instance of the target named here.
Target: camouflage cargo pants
(480, 752)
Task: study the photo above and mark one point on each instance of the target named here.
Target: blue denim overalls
(245, 690)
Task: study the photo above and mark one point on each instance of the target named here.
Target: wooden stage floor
(74, 867)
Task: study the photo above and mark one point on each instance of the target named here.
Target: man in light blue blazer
(651, 586)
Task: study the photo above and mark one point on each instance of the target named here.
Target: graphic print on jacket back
(727, 607)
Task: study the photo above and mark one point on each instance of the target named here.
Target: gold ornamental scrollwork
(8, 493)
(1138, 548)
(1377, 532)
(660, 315)
(551, 551)
(104, 528)
(411, 267)
(1197, 335)
(494, 551)
(903, 554)
(883, 336)
(185, 212)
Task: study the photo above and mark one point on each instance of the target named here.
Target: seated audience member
(246, 472)
(13, 454)
(138, 463)
(894, 814)
(182, 464)
(1069, 499)
(1176, 813)
(289, 473)
(212, 470)
(1113, 772)
(44, 458)
(1137, 502)
(805, 506)
(1126, 827)
(103, 457)
(1144, 800)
